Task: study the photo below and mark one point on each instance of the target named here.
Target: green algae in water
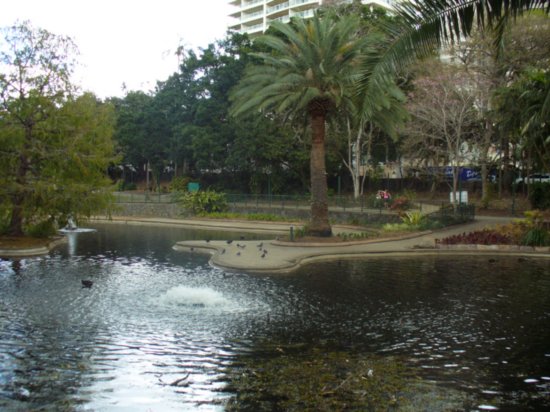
(297, 378)
(318, 380)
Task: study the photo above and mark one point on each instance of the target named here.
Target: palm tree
(309, 69)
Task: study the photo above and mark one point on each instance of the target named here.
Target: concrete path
(271, 256)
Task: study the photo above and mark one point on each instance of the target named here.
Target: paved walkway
(271, 256)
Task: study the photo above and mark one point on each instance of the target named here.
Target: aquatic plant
(317, 380)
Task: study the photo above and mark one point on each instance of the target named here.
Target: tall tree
(489, 70)
(309, 69)
(423, 26)
(443, 118)
(40, 131)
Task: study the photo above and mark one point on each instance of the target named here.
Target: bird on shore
(229, 241)
(223, 251)
(260, 245)
(87, 283)
(238, 253)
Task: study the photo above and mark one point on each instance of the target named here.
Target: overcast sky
(125, 41)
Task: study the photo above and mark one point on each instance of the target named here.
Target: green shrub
(42, 230)
(536, 234)
(536, 237)
(539, 196)
(179, 184)
(122, 186)
(412, 218)
(204, 202)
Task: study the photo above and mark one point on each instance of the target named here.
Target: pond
(161, 330)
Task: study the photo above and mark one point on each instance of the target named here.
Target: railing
(277, 7)
(303, 14)
(449, 214)
(277, 202)
(366, 206)
(298, 2)
(251, 16)
(284, 19)
(251, 3)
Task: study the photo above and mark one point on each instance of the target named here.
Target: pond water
(159, 330)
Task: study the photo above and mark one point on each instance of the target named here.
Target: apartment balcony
(303, 4)
(272, 3)
(278, 9)
(283, 19)
(235, 26)
(303, 14)
(252, 31)
(247, 5)
(250, 18)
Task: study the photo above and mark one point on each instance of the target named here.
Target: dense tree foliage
(55, 148)
(184, 127)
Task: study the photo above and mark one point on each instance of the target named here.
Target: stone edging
(350, 243)
(33, 251)
(494, 248)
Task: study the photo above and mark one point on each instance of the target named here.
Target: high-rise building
(255, 16)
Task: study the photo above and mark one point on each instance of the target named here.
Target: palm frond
(423, 26)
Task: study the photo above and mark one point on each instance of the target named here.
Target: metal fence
(366, 203)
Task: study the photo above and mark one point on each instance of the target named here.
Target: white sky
(125, 41)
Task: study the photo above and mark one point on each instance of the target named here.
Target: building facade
(254, 16)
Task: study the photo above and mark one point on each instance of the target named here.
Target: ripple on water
(154, 318)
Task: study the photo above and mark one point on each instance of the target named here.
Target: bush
(400, 204)
(529, 231)
(539, 197)
(204, 202)
(42, 230)
(413, 218)
(122, 186)
(179, 184)
(536, 234)
(479, 237)
(536, 237)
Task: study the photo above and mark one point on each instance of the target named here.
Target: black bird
(243, 238)
(238, 253)
(263, 255)
(87, 283)
(241, 246)
(207, 240)
(223, 251)
(492, 260)
(265, 251)
(260, 245)
(192, 249)
(229, 242)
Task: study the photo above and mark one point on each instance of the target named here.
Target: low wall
(143, 209)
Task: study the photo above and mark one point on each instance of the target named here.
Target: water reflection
(159, 329)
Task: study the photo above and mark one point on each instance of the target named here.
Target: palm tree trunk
(319, 224)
